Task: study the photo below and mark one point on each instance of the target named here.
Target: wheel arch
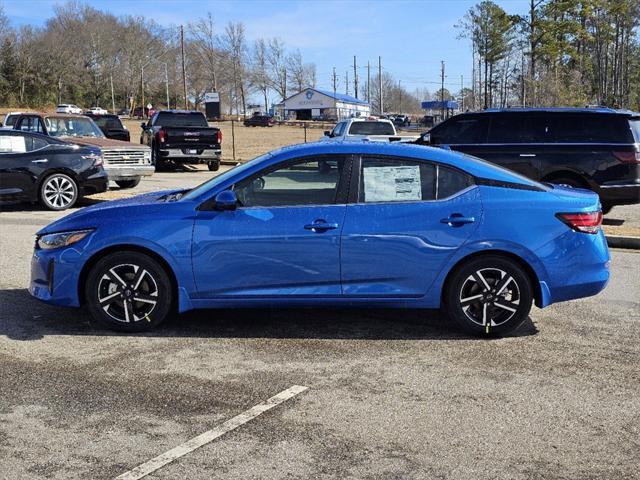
(572, 174)
(51, 171)
(88, 265)
(538, 294)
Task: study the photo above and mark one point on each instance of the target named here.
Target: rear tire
(489, 296)
(214, 165)
(128, 292)
(572, 182)
(58, 192)
(128, 183)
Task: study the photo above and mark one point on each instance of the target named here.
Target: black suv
(594, 148)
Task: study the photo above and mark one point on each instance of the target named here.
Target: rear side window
(590, 128)
(634, 123)
(519, 128)
(461, 130)
(371, 128)
(169, 119)
(451, 181)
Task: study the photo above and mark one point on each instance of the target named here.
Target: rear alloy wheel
(489, 296)
(58, 192)
(128, 183)
(128, 292)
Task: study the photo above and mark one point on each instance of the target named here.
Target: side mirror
(226, 200)
(426, 138)
(143, 125)
(327, 133)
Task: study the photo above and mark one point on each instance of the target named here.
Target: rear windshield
(169, 119)
(108, 123)
(371, 128)
(635, 128)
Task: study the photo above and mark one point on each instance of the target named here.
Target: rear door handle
(320, 226)
(456, 220)
(42, 160)
(527, 154)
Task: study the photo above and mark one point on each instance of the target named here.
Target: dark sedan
(111, 126)
(260, 121)
(35, 167)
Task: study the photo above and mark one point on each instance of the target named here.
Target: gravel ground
(392, 394)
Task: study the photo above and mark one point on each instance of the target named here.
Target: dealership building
(313, 103)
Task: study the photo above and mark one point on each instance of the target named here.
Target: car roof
(181, 112)
(606, 110)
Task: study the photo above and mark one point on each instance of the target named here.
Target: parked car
(182, 136)
(148, 112)
(126, 163)
(97, 111)
(401, 120)
(35, 168)
(387, 225)
(260, 121)
(9, 120)
(355, 129)
(427, 121)
(111, 126)
(68, 108)
(593, 148)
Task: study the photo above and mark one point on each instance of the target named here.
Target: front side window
(303, 182)
(461, 130)
(338, 129)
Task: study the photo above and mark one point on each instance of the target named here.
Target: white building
(313, 103)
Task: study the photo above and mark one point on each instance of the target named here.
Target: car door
(410, 216)
(19, 165)
(284, 237)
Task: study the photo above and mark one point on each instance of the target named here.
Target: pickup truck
(181, 136)
(125, 163)
(354, 129)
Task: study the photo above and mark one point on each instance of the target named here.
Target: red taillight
(161, 135)
(627, 156)
(219, 137)
(588, 222)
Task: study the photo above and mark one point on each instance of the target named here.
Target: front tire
(128, 292)
(128, 183)
(58, 192)
(489, 296)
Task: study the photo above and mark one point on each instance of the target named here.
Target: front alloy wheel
(489, 296)
(128, 292)
(58, 192)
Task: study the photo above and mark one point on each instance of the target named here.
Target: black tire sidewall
(128, 183)
(213, 166)
(454, 285)
(46, 204)
(160, 313)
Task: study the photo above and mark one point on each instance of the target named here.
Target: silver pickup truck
(125, 162)
(374, 130)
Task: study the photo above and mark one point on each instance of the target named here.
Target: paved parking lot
(392, 394)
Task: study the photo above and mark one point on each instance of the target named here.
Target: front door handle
(320, 226)
(527, 154)
(42, 160)
(456, 219)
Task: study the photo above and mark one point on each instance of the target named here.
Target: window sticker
(12, 144)
(392, 184)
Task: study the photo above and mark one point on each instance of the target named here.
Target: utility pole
(462, 93)
(113, 100)
(442, 87)
(346, 91)
(184, 71)
(335, 85)
(166, 82)
(284, 89)
(355, 77)
(142, 90)
(400, 91)
(380, 85)
(369, 82)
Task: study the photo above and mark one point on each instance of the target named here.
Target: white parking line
(210, 435)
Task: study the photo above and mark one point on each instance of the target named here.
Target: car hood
(94, 215)
(103, 142)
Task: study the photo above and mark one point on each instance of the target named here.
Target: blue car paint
(381, 254)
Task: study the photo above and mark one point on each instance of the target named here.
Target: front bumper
(54, 276)
(179, 155)
(116, 173)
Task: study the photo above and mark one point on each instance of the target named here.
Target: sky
(411, 36)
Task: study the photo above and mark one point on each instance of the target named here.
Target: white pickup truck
(354, 129)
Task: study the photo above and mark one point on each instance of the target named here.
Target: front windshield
(72, 127)
(109, 123)
(204, 187)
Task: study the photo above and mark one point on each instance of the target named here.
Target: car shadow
(612, 221)
(25, 318)
(36, 207)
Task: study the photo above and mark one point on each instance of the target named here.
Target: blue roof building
(318, 104)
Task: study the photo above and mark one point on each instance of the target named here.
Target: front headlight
(147, 156)
(62, 239)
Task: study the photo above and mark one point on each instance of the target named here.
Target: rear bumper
(620, 193)
(128, 172)
(179, 155)
(95, 185)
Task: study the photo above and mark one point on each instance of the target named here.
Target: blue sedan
(332, 224)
